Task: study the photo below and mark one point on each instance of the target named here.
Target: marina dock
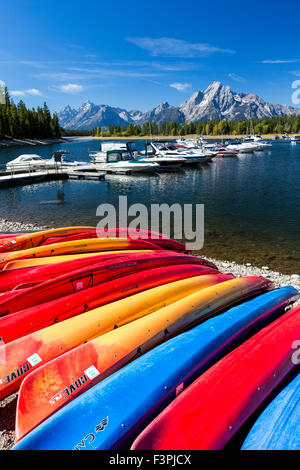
(17, 178)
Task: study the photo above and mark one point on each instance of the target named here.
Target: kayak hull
(157, 376)
(277, 427)
(32, 319)
(81, 279)
(50, 342)
(224, 396)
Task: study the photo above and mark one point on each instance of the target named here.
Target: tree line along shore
(19, 122)
(264, 126)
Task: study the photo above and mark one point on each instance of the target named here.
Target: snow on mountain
(216, 102)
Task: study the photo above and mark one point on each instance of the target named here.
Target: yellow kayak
(26, 263)
(77, 246)
(48, 343)
(56, 383)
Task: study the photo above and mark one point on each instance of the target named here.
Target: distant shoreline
(5, 143)
(168, 137)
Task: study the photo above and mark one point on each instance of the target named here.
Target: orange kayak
(31, 240)
(35, 349)
(59, 381)
(77, 246)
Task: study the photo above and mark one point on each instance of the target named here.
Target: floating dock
(10, 179)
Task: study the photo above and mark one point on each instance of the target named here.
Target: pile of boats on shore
(119, 339)
(118, 157)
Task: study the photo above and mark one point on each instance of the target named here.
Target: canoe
(27, 321)
(18, 278)
(25, 263)
(83, 278)
(51, 386)
(50, 342)
(228, 393)
(158, 239)
(78, 246)
(10, 235)
(147, 384)
(46, 237)
(277, 428)
(31, 240)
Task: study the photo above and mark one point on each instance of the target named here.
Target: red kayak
(32, 319)
(10, 235)
(89, 276)
(10, 279)
(157, 238)
(228, 393)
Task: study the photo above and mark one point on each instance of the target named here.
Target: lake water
(252, 202)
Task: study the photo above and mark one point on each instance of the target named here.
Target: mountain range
(217, 102)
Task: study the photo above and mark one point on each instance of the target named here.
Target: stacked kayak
(228, 393)
(132, 396)
(101, 330)
(277, 428)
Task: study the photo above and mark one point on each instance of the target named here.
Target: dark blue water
(252, 202)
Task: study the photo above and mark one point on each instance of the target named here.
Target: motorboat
(223, 151)
(295, 139)
(167, 149)
(100, 155)
(123, 161)
(165, 162)
(31, 161)
(257, 142)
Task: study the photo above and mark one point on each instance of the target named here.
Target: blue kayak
(278, 427)
(113, 412)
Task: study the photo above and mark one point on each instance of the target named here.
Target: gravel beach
(8, 405)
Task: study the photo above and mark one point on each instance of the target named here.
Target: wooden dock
(10, 179)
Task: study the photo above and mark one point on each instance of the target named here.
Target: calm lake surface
(252, 202)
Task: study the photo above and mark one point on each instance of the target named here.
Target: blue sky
(137, 54)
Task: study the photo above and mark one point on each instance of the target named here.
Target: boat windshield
(118, 157)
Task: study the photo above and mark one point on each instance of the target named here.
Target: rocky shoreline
(8, 405)
(237, 269)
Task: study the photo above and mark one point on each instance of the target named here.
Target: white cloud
(175, 47)
(71, 88)
(236, 77)
(34, 92)
(17, 93)
(279, 61)
(180, 86)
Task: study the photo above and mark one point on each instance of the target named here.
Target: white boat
(100, 155)
(167, 149)
(295, 139)
(257, 142)
(243, 147)
(33, 161)
(122, 161)
(165, 162)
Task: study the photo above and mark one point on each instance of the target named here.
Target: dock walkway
(10, 179)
